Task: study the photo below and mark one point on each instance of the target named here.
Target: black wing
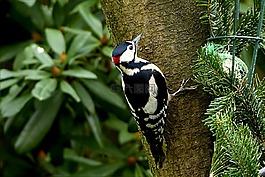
(149, 87)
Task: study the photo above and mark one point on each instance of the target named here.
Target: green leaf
(116, 124)
(9, 99)
(79, 73)
(29, 61)
(82, 45)
(108, 148)
(22, 58)
(132, 126)
(41, 55)
(51, 169)
(40, 19)
(29, 3)
(107, 51)
(138, 171)
(39, 124)
(29, 73)
(46, 65)
(148, 173)
(67, 88)
(8, 52)
(38, 76)
(13, 93)
(14, 106)
(8, 83)
(58, 14)
(93, 22)
(83, 160)
(85, 97)
(5, 74)
(125, 136)
(18, 62)
(86, 4)
(20, 119)
(78, 42)
(44, 88)
(104, 93)
(76, 31)
(55, 40)
(69, 154)
(99, 171)
(95, 127)
(113, 151)
(108, 98)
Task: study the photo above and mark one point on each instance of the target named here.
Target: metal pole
(236, 19)
(255, 52)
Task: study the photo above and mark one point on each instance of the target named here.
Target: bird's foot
(183, 88)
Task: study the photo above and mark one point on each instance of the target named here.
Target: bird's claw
(183, 88)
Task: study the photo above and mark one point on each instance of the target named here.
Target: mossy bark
(172, 34)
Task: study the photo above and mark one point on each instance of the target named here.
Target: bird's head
(126, 51)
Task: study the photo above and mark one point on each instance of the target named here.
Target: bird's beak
(137, 39)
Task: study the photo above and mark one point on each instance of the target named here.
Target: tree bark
(172, 34)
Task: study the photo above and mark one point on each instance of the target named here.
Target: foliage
(220, 17)
(236, 116)
(59, 116)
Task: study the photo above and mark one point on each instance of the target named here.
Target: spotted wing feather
(147, 95)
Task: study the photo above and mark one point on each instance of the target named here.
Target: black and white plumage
(145, 90)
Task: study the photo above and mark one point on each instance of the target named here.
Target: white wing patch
(151, 105)
(152, 86)
(156, 116)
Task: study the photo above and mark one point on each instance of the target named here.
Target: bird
(146, 92)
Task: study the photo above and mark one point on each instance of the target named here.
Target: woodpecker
(146, 92)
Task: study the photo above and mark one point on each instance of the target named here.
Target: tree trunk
(172, 34)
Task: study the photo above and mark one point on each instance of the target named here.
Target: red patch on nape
(116, 60)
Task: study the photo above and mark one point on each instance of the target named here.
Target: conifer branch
(219, 16)
(235, 116)
(239, 150)
(208, 71)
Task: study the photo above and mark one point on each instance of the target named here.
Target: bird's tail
(158, 153)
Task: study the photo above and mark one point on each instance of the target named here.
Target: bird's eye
(130, 47)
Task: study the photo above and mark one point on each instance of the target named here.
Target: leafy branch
(220, 16)
(235, 116)
(58, 114)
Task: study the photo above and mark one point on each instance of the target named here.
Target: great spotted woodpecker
(146, 92)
